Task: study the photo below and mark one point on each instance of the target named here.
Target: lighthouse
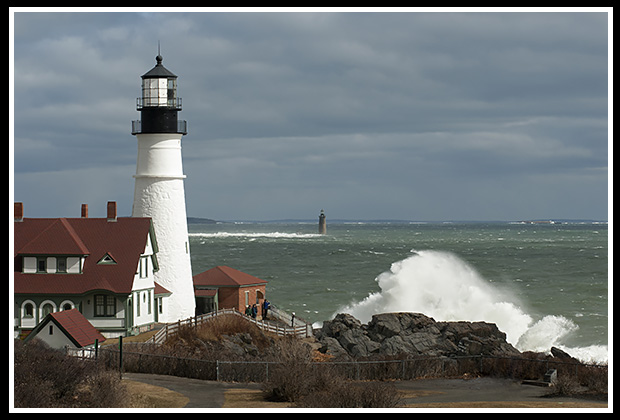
(159, 186)
(322, 223)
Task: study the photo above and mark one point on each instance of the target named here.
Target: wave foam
(273, 235)
(446, 288)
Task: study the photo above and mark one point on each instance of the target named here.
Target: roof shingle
(223, 276)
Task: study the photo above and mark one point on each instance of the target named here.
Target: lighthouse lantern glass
(159, 92)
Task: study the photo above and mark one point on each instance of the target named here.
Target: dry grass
(143, 395)
(249, 398)
(509, 404)
(140, 338)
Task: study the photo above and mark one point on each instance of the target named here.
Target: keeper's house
(103, 267)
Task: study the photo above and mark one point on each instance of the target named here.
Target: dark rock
(240, 344)
(560, 354)
(404, 333)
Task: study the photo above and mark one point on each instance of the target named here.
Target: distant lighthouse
(159, 187)
(322, 223)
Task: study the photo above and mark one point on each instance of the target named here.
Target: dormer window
(107, 259)
(61, 264)
(41, 265)
(52, 264)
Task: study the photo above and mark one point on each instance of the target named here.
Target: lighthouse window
(171, 91)
(155, 92)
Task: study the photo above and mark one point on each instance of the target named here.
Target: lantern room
(159, 103)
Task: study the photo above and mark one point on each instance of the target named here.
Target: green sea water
(544, 284)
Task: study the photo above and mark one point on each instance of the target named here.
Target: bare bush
(349, 394)
(292, 376)
(297, 379)
(44, 377)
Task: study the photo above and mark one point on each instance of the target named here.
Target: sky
(398, 114)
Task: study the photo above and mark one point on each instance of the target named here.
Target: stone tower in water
(322, 223)
(159, 186)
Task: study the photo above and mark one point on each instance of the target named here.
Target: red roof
(124, 238)
(76, 327)
(160, 290)
(223, 276)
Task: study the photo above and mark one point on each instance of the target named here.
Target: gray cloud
(425, 116)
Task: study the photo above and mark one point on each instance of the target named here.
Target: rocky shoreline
(394, 334)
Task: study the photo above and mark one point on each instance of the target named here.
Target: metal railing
(174, 103)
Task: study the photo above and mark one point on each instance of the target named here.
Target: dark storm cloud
(372, 115)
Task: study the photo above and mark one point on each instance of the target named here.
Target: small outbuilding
(223, 287)
(66, 329)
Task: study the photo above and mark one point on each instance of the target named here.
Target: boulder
(412, 334)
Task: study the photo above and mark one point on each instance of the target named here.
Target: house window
(28, 310)
(144, 267)
(41, 264)
(160, 305)
(47, 309)
(61, 264)
(105, 305)
(51, 330)
(107, 259)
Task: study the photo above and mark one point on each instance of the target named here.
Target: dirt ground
(159, 391)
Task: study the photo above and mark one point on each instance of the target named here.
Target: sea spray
(446, 288)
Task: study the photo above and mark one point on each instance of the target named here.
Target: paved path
(424, 391)
(201, 394)
(210, 394)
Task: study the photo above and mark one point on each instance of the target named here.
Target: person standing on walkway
(265, 308)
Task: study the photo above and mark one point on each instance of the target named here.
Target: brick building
(223, 287)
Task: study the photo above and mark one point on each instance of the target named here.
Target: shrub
(292, 376)
(44, 377)
(297, 379)
(348, 394)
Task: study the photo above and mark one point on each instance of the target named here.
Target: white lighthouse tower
(159, 190)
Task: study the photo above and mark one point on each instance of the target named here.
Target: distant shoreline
(202, 220)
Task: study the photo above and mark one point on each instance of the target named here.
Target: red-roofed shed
(66, 328)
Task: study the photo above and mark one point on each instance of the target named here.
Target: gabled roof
(58, 237)
(124, 238)
(74, 325)
(160, 290)
(224, 276)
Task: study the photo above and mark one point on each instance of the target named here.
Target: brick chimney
(111, 211)
(84, 213)
(18, 212)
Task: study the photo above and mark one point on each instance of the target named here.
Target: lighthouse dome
(158, 71)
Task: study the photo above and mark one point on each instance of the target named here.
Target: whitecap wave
(446, 288)
(254, 235)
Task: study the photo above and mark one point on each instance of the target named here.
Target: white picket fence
(167, 330)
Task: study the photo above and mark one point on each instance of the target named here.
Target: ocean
(542, 284)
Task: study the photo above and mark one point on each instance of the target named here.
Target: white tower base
(160, 194)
